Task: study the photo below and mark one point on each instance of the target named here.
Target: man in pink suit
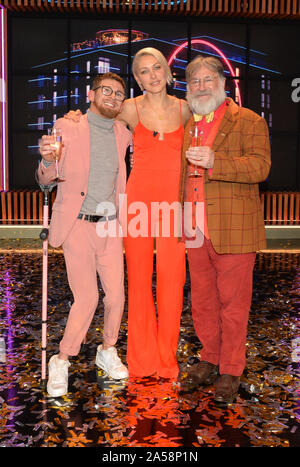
(92, 164)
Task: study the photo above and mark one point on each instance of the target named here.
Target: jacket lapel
(121, 179)
(226, 125)
(85, 143)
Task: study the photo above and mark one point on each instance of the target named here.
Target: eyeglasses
(107, 91)
(207, 81)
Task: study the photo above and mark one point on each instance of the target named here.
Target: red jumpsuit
(153, 338)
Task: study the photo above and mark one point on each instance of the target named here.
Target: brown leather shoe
(227, 389)
(204, 373)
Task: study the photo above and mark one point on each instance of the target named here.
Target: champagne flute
(57, 148)
(195, 141)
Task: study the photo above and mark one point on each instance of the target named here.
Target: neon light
(97, 50)
(39, 102)
(39, 79)
(180, 60)
(216, 49)
(232, 43)
(3, 113)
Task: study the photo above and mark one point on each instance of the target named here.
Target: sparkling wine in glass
(57, 148)
(195, 141)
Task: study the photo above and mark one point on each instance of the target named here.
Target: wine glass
(57, 148)
(195, 141)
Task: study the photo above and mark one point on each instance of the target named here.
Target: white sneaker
(109, 361)
(58, 376)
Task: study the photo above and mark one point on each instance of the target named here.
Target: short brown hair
(109, 75)
(212, 63)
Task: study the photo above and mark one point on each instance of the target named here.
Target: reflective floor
(146, 412)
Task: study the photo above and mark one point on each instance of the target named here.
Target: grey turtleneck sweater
(104, 164)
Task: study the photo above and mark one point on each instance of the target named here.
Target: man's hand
(47, 148)
(203, 156)
(73, 115)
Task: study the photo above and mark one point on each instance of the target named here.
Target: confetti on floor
(146, 412)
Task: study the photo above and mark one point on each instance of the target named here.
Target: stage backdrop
(52, 62)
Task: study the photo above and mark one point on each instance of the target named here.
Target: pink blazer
(74, 166)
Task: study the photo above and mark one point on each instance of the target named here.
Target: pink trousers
(221, 294)
(86, 254)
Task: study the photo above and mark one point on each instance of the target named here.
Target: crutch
(46, 189)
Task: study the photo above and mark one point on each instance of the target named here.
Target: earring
(141, 86)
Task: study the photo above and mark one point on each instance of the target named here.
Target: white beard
(211, 105)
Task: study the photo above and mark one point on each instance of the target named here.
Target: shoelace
(59, 377)
(115, 362)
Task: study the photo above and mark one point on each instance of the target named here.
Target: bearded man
(92, 164)
(232, 158)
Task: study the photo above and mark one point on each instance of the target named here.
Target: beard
(217, 98)
(106, 112)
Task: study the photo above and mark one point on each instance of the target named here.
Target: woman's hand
(73, 115)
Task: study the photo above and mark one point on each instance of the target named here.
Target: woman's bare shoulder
(127, 115)
(186, 111)
(128, 105)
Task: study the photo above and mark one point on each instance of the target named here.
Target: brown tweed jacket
(242, 160)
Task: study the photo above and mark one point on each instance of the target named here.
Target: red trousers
(153, 336)
(221, 294)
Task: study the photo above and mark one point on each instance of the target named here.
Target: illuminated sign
(216, 49)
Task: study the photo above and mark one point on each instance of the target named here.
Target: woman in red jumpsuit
(157, 121)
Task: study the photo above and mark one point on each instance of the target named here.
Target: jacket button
(82, 194)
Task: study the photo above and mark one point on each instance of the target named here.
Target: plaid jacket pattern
(242, 160)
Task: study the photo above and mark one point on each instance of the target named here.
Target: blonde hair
(212, 63)
(158, 56)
